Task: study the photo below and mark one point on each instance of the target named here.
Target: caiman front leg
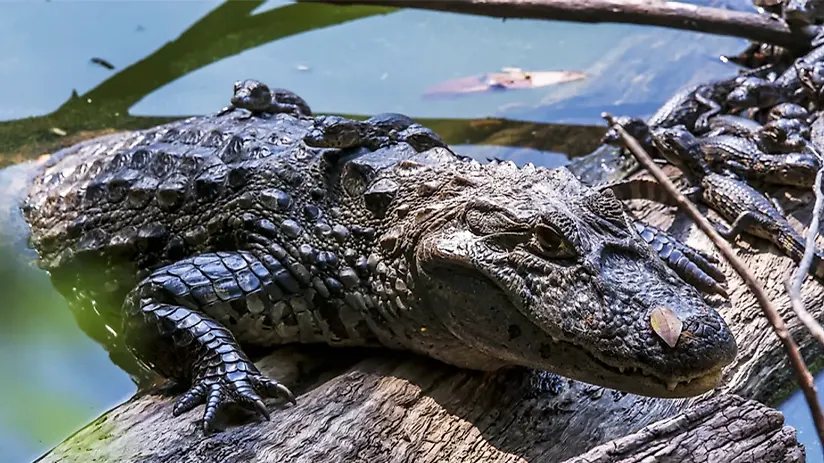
(167, 326)
(702, 123)
(742, 224)
(694, 266)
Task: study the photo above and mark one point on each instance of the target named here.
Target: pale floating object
(509, 79)
(666, 324)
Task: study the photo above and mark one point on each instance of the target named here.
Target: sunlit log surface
(356, 405)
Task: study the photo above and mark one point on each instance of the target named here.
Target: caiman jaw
(663, 341)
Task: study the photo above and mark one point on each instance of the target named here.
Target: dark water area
(175, 59)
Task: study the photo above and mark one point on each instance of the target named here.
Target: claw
(284, 391)
(274, 388)
(261, 408)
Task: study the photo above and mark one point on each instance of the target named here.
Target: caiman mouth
(700, 372)
(640, 381)
(633, 380)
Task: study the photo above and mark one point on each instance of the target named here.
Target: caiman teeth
(671, 385)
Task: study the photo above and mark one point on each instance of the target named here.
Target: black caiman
(244, 229)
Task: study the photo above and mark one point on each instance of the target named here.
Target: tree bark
(379, 405)
(726, 428)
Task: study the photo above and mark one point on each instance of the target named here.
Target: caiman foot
(692, 265)
(228, 378)
(189, 345)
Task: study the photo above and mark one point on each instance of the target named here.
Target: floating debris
(102, 62)
(509, 79)
(58, 131)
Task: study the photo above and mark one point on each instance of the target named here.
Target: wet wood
(752, 26)
(388, 406)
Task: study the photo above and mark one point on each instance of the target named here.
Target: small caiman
(743, 157)
(762, 93)
(746, 209)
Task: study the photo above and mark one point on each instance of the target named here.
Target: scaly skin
(725, 124)
(693, 106)
(763, 93)
(222, 232)
(743, 157)
(260, 99)
(787, 111)
(746, 209)
(695, 267)
(385, 129)
(784, 136)
(778, 135)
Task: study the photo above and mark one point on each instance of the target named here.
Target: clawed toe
(273, 388)
(245, 392)
(191, 399)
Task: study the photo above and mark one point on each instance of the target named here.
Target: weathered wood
(755, 27)
(726, 428)
(389, 406)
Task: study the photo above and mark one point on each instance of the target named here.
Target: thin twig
(756, 27)
(793, 285)
(812, 231)
(802, 374)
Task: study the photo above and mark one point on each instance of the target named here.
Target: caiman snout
(679, 343)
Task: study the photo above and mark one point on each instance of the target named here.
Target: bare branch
(720, 21)
(802, 374)
(793, 285)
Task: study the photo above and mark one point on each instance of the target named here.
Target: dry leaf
(666, 324)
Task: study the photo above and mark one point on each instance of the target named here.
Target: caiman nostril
(666, 324)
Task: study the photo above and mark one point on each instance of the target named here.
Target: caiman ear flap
(605, 204)
(357, 176)
(379, 195)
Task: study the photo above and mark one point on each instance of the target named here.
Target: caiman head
(529, 267)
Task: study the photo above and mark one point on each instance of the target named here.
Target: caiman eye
(552, 243)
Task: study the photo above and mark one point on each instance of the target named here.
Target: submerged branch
(720, 21)
(802, 373)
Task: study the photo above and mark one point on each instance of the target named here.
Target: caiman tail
(793, 244)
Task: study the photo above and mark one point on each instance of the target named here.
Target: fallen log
(356, 405)
(752, 26)
(726, 428)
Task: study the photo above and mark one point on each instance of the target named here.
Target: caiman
(238, 229)
(746, 209)
(744, 158)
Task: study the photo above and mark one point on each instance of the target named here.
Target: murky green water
(174, 59)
